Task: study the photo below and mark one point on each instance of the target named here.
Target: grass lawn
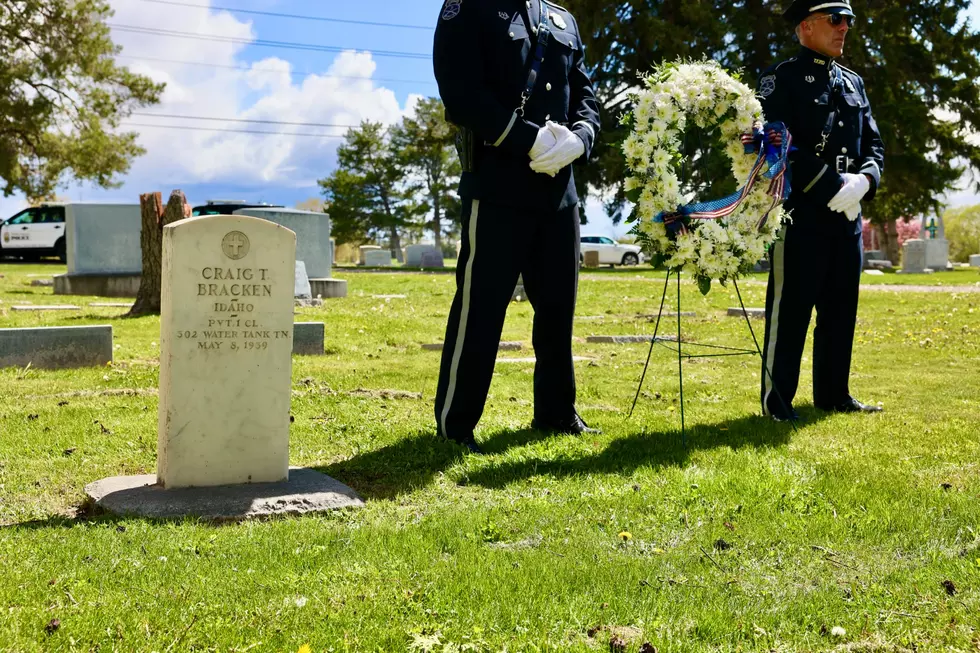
(856, 533)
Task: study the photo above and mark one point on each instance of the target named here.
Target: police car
(35, 232)
(610, 252)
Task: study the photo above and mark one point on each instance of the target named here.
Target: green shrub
(963, 232)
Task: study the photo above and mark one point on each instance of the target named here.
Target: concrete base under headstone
(328, 288)
(56, 348)
(306, 491)
(98, 285)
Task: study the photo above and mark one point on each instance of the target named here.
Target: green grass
(851, 522)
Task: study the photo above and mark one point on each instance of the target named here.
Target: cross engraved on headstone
(235, 245)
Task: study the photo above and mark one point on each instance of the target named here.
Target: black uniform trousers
(499, 244)
(810, 268)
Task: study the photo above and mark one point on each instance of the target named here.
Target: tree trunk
(437, 222)
(888, 241)
(395, 243)
(154, 218)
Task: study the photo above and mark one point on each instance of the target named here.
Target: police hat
(799, 10)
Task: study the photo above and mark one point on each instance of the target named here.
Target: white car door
(48, 227)
(608, 251)
(17, 231)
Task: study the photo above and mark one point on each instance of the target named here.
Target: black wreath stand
(720, 351)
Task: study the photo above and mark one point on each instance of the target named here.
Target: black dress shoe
(852, 405)
(783, 416)
(471, 445)
(467, 442)
(573, 426)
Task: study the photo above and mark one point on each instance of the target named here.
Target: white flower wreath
(706, 95)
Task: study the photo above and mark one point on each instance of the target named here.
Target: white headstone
(301, 284)
(378, 258)
(225, 351)
(975, 260)
(364, 250)
(913, 256)
(937, 253)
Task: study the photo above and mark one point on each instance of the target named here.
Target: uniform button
(840, 124)
(511, 35)
(528, 3)
(816, 100)
(547, 117)
(547, 86)
(843, 150)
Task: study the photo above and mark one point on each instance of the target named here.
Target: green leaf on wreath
(704, 285)
(634, 195)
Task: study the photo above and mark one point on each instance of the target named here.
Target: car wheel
(631, 259)
(60, 250)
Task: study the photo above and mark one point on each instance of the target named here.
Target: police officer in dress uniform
(512, 76)
(837, 164)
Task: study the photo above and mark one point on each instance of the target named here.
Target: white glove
(853, 212)
(545, 140)
(852, 192)
(568, 148)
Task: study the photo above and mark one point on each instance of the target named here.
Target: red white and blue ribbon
(772, 143)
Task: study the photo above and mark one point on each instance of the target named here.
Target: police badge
(557, 20)
(451, 9)
(767, 85)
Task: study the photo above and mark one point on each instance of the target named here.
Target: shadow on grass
(642, 449)
(412, 463)
(396, 469)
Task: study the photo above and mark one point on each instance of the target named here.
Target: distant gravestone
(301, 284)
(56, 348)
(364, 249)
(379, 258)
(590, 259)
(432, 260)
(751, 312)
(225, 351)
(414, 254)
(913, 256)
(937, 253)
(975, 260)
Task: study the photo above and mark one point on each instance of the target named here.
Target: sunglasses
(836, 19)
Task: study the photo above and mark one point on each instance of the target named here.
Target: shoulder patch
(451, 9)
(767, 85)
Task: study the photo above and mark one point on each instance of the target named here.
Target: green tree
(62, 96)
(962, 227)
(366, 196)
(424, 146)
(919, 59)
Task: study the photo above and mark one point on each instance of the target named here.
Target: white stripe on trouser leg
(778, 265)
(463, 315)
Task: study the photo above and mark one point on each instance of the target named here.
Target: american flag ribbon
(773, 144)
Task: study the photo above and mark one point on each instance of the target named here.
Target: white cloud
(267, 90)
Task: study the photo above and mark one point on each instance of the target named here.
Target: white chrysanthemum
(704, 94)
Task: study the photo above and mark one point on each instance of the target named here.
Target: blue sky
(282, 84)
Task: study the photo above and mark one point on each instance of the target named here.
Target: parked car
(227, 207)
(35, 232)
(610, 252)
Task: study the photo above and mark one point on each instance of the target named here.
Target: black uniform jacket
(812, 94)
(481, 55)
